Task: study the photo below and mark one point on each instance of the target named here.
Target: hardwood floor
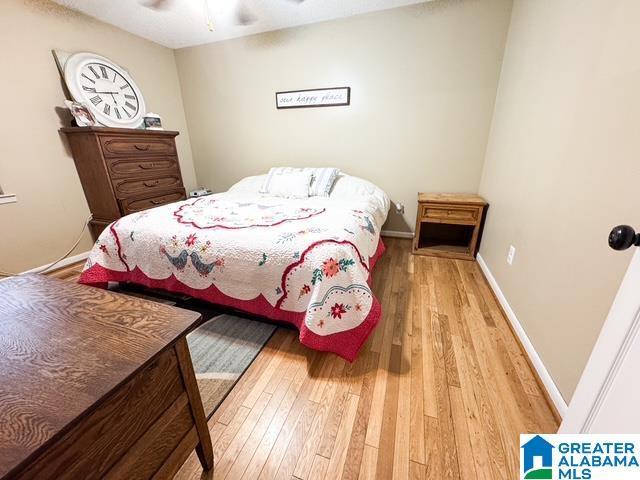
(441, 390)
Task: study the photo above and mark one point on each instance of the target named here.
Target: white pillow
(321, 183)
(251, 184)
(290, 184)
(349, 189)
(323, 180)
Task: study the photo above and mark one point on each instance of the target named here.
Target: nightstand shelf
(449, 225)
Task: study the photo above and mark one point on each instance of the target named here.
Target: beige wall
(562, 167)
(423, 83)
(34, 162)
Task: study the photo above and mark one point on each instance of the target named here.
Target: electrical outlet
(511, 254)
(399, 208)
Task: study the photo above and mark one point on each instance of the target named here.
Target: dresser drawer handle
(151, 184)
(148, 167)
(141, 147)
(157, 202)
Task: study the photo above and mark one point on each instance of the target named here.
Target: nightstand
(449, 225)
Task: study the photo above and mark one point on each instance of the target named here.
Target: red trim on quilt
(179, 219)
(376, 256)
(346, 344)
(119, 245)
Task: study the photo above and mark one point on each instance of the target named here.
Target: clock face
(106, 89)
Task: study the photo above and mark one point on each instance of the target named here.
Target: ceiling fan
(243, 16)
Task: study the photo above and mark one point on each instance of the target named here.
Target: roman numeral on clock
(96, 100)
(130, 97)
(88, 78)
(124, 87)
(117, 113)
(132, 107)
(104, 72)
(107, 108)
(89, 89)
(93, 70)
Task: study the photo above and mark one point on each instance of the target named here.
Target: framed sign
(315, 97)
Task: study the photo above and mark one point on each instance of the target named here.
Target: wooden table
(449, 225)
(95, 384)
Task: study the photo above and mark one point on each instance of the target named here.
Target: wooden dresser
(123, 171)
(95, 384)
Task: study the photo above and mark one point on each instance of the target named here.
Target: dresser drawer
(129, 187)
(440, 213)
(136, 146)
(132, 205)
(134, 167)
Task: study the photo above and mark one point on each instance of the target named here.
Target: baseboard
(534, 359)
(396, 234)
(63, 263)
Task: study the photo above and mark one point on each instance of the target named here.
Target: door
(607, 399)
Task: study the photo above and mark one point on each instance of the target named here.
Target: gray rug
(222, 348)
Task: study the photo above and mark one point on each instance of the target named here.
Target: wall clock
(106, 89)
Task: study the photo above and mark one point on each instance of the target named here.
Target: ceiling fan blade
(157, 4)
(244, 15)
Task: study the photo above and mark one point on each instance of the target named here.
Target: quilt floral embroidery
(329, 268)
(338, 310)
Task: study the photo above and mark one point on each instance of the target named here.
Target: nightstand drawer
(440, 213)
(139, 147)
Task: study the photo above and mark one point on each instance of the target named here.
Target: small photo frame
(152, 121)
(82, 115)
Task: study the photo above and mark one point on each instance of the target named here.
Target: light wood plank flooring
(441, 390)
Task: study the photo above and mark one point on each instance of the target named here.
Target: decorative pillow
(323, 180)
(321, 183)
(290, 184)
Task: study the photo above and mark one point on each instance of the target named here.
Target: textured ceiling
(181, 23)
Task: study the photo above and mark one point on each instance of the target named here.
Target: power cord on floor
(51, 265)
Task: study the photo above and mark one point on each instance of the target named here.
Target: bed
(306, 261)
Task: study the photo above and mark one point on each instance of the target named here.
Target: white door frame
(619, 332)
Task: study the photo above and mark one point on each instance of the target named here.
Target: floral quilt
(305, 262)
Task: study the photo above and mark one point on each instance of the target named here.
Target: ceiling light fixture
(207, 15)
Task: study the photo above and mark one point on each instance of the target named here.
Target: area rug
(222, 348)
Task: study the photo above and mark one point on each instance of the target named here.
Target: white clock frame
(72, 70)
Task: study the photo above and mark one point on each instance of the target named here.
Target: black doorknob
(623, 237)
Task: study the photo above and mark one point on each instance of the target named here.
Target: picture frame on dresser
(123, 171)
